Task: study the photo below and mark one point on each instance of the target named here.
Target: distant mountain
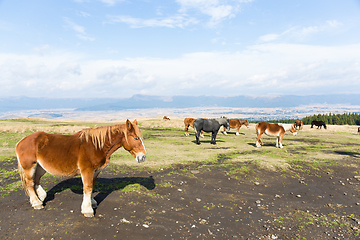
(147, 101)
(28, 103)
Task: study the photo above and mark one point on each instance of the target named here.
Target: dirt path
(195, 202)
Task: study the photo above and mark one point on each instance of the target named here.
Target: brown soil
(200, 202)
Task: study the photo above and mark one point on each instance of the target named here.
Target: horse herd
(88, 152)
(201, 125)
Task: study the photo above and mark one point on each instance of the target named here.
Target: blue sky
(118, 48)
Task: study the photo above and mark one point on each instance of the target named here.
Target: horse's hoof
(38, 207)
(88, 214)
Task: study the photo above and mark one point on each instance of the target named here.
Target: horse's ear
(135, 122)
(129, 125)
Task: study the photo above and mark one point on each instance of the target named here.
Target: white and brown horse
(86, 153)
(299, 123)
(237, 123)
(273, 130)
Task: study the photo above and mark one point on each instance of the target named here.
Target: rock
(257, 183)
(298, 196)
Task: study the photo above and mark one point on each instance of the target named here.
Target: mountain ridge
(149, 101)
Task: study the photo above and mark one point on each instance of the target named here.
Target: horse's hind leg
(186, 130)
(258, 140)
(41, 193)
(30, 187)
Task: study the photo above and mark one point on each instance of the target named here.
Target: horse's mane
(98, 135)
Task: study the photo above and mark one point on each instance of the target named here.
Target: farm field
(310, 189)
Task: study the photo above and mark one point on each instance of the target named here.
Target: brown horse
(166, 118)
(299, 124)
(237, 124)
(86, 152)
(189, 122)
(273, 130)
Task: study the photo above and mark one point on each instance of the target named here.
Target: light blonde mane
(98, 135)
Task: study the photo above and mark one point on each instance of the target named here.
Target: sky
(119, 48)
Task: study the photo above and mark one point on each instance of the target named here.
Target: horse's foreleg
(93, 201)
(87, 177)
(237, 130)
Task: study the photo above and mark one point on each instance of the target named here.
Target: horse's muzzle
(140, 157)
(295, 133)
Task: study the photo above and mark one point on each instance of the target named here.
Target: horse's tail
(22, 175)
(195, 131)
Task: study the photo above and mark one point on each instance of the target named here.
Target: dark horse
(318, 124)
(210, 125)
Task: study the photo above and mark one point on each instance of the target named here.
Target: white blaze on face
(140, 157)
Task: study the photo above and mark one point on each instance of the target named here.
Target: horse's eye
(135, 138)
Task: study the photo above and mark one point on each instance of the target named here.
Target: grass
(167, 147)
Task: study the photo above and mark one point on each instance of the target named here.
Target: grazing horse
(209, 125)
(189, 122)
(86, 152)
(237, 124)
(318, 124)
(358, 130)
(299, 124)
(273, 130)
(166, 118)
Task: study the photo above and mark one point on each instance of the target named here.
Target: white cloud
(260, 69)
(77, 28)
(301, 33)
(217, 10)
(269, 37)
(178, 20)
(111, 2)
(83, 14)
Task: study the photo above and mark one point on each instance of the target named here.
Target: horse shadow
(207, 141)
(347, 153)
(233, 133)
(103, 186)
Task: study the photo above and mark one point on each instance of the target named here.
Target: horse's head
(246, 123)
(293, 129)
(227, 124)
(133, 141)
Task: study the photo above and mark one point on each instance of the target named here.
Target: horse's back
(207, 125)
(58, 154)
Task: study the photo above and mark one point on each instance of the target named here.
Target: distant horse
(358, 130)
(237, 124)
(166, 118)
(209, 125)
(273, 130)
(318, 124)
(189, 122)
(299, 124)
(86, 152)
